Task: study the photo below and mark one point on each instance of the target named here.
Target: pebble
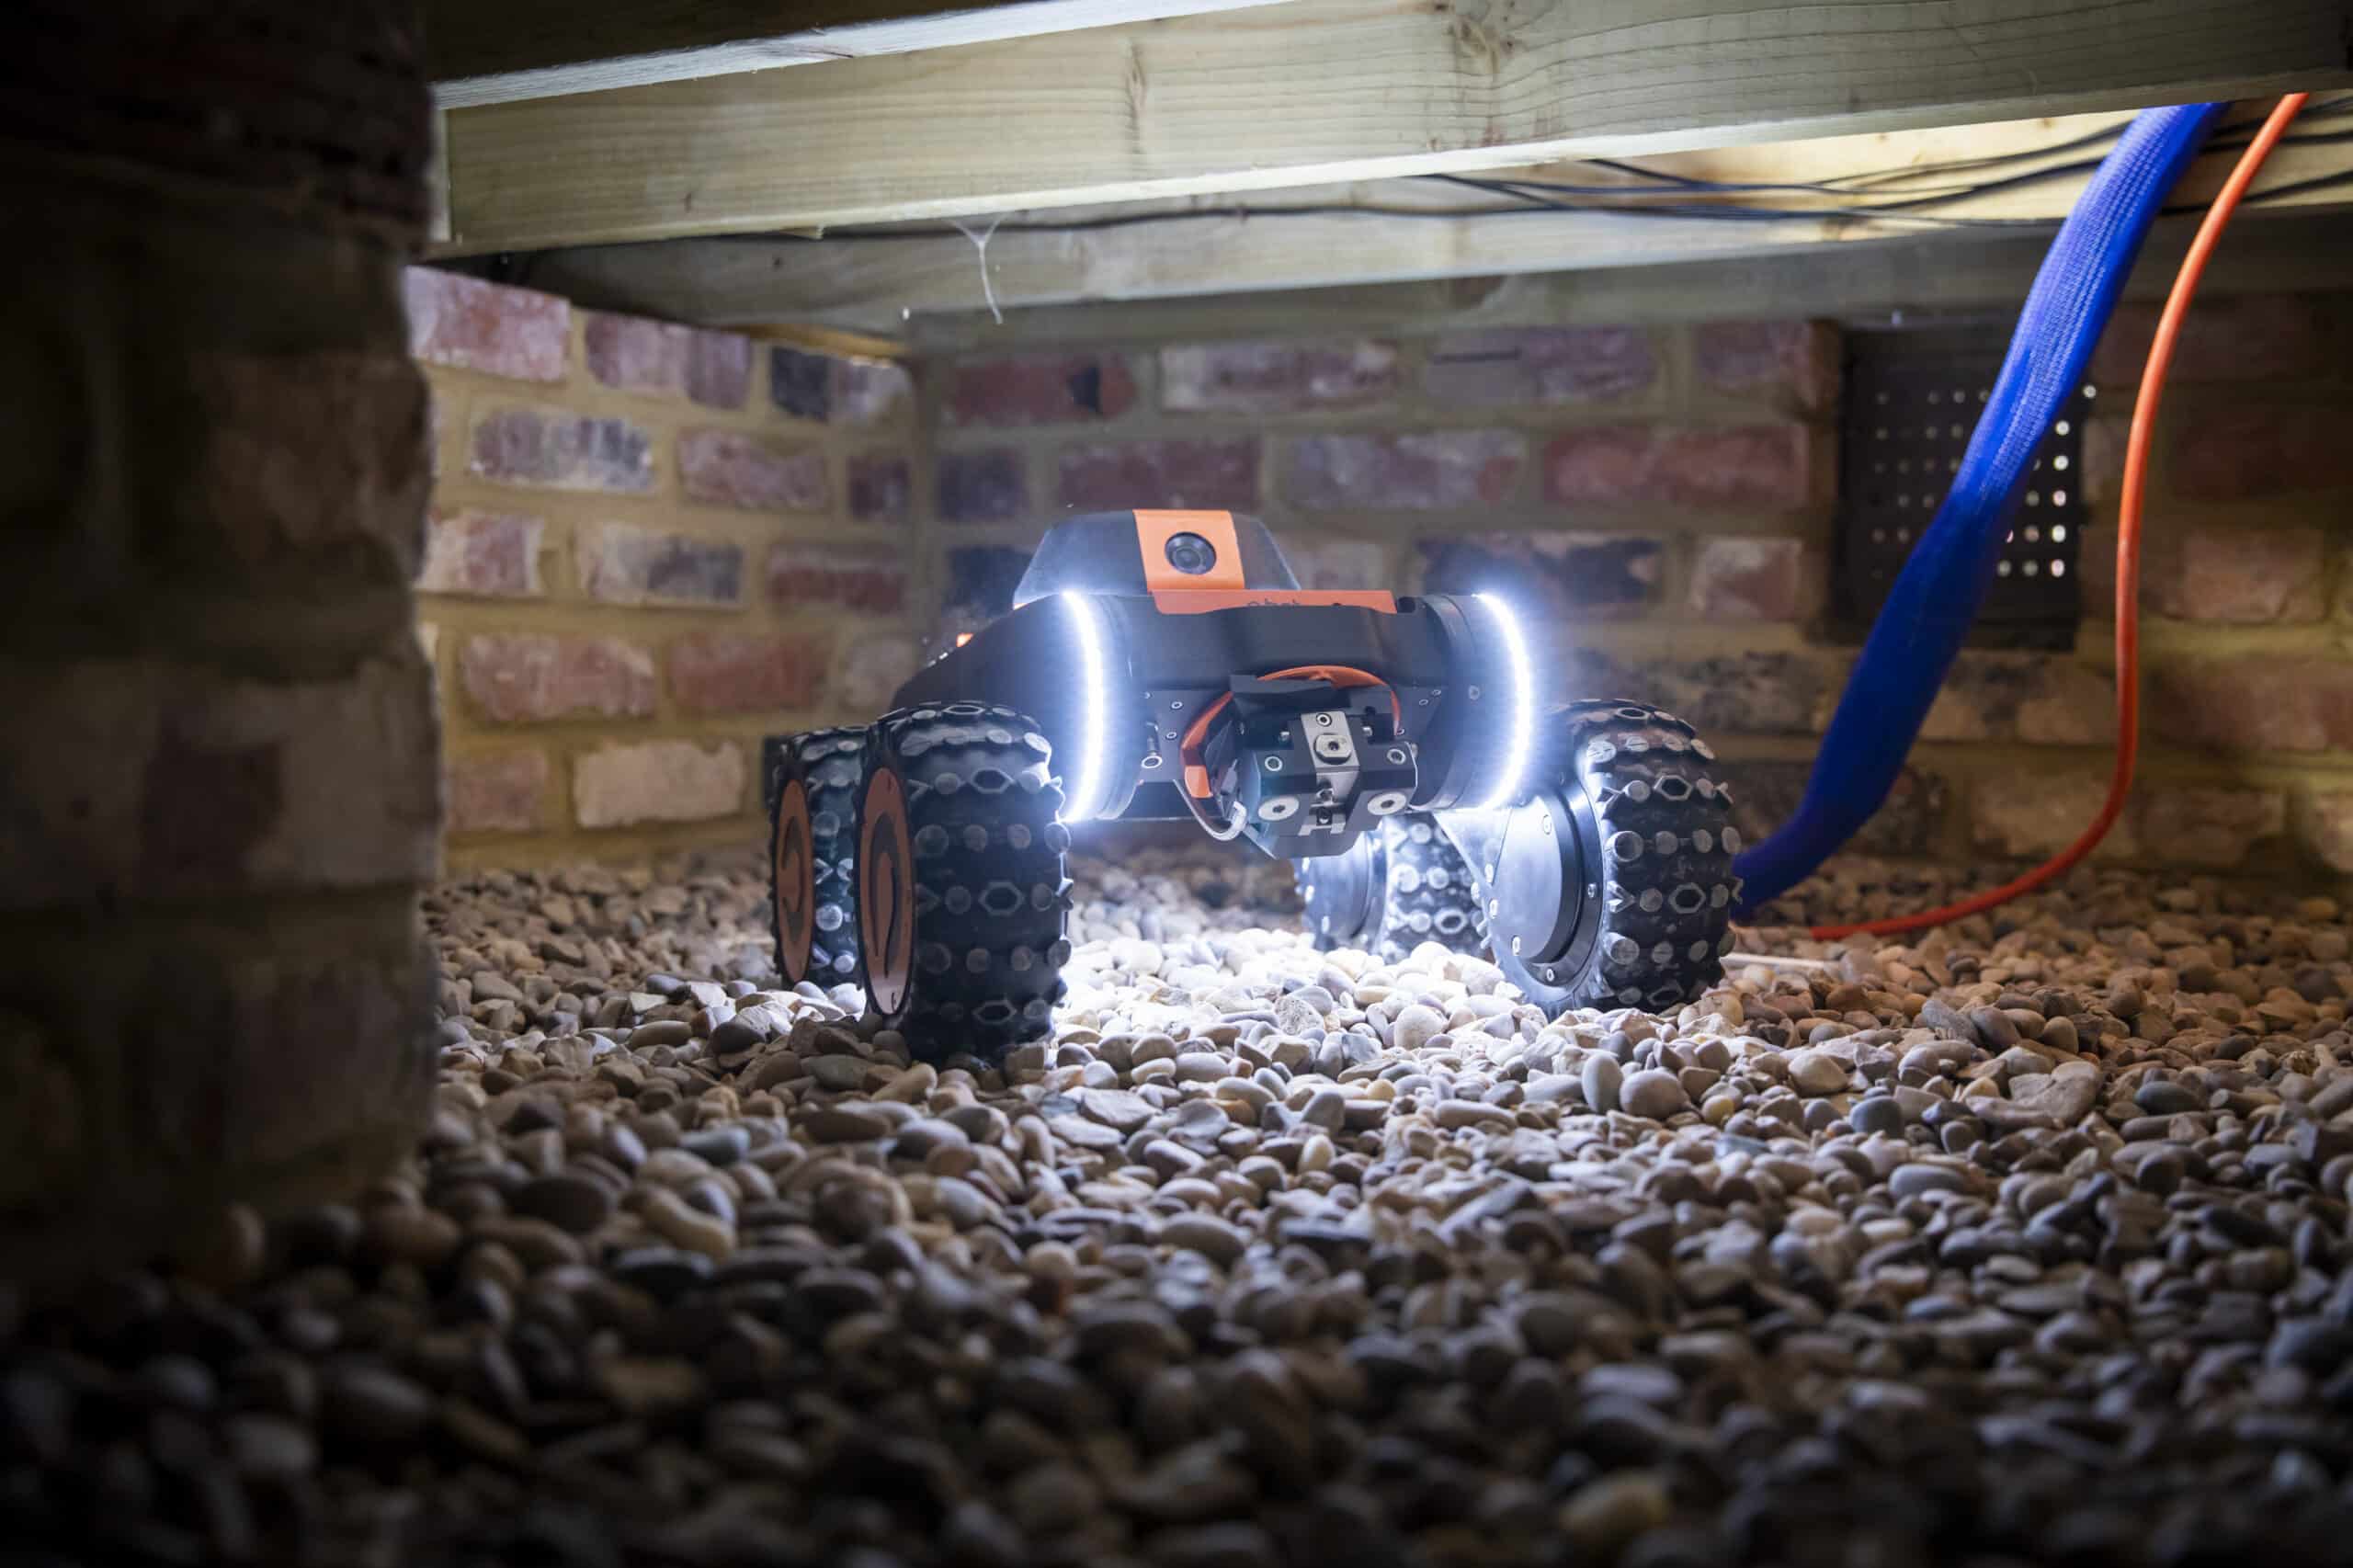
(1652, 1093)
(1273, 1255)
(1816, 1073)
(1601, 1078)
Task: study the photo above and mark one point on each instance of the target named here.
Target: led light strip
(1083, 797)
(1522, 742)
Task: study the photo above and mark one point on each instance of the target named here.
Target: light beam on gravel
(1522, 742)
(1092, 773)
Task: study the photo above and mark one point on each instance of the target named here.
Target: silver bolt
(1274, 765)
(1515, 944)
(1548, 826)
(1176, 708)
(1475, 694)
(1491, 870)
(1545, 973)
(1396, 754)
(1494, 907)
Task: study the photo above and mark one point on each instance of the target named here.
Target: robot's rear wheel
(1610, 883)
(812, 794)
(1401, 884)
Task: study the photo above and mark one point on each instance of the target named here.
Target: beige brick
(656, 782)
(2206, 825)
(872, 668)
(2027, 816)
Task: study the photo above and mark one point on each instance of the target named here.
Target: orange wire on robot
(2128, 556)
(1197, 773)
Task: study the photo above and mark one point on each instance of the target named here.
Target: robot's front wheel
(960, 893)
(1610, 883)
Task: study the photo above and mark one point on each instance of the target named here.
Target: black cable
(1542, 197)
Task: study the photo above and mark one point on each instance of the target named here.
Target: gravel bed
(2024, 1241)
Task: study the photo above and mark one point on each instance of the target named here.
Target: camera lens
(1192, 554)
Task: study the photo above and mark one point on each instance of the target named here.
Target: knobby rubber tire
(1421, 892)
(830, 765)
(1663, 872)
(989, 896)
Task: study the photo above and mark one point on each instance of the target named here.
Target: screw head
(1515, 944)
(1274, 765)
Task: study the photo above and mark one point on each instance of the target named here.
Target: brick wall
(1665, 494)
(649, 545)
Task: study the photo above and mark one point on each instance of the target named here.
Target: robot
(1401, 752)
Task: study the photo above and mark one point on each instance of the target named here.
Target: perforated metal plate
(1912, 398)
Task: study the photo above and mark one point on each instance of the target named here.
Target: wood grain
(1316, 91)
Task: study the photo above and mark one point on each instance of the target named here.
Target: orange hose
(2128, 555)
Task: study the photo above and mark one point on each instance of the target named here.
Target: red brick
(632, 354)
(1728, 468)
(1553, 364)
(2255, 704)
(2325, 828)
(872, 670)
(2192, 824)
(473, 325)
(729, 470)
(1752, 579)
(1178, 474)
(1274, 378)
(2243, 575)
(2252, 337)
(166, 778)
(563, 451)
(2247, 451)
(1041, 389)
(309, 467)
(986, 486)
(482, 554)
(1791, 364)
(1554, 575)
(655, 781)
(836, 389)
(526, 676)
(882, 486)
(1322, 561)
(502, 792)
(719, 368)
(622, 563)
(727, 671)
(1432, 470)
(868, 578)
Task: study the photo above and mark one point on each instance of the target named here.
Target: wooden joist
(735, 282)
(493, 51)
(1317, 91)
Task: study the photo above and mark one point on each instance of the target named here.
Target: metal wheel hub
(1344, 890)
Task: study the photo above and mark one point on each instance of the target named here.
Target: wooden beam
(1873, 284)
(1321, 90)
(733, 281)
(493, 51)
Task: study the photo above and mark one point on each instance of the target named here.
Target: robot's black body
(1165, 665)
